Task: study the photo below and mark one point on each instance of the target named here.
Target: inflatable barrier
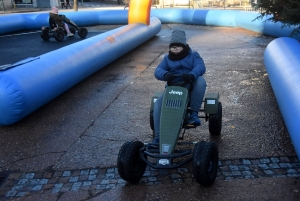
(228, 18)
(36, 81)
(282, 63)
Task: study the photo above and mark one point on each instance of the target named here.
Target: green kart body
(134, 156)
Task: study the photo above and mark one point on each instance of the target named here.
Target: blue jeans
(196, 98)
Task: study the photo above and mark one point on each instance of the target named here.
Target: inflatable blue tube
(246, 20)
(227, 18)
(197, 17)
(35, 21)
(282, 63)
(26, 87)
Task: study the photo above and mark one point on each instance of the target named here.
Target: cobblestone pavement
(20, 184)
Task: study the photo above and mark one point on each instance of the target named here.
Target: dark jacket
(191, 64)
(58, 19)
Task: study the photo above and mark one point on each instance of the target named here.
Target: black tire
(82, 32)
(131, 167)
(205, 163)
(59, 35)
(45, 35)
(215, 122)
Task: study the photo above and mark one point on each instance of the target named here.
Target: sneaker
(194, 119)
(70, 34)
(154, 144)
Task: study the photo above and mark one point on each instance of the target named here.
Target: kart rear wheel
(215, 122)
(82, 32)
(59, 35)
(45, 35)
(205, 163)
(131, 167)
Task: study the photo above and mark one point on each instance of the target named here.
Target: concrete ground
(84, 128)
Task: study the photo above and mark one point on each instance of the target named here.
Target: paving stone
(94, 171)
(263, 166)
(182, 170)
(29, 176)
(269, 172)
(255, 162)
(63, 179)
(86, 183)
(264, 160)
(274, 165)
(244, 167)
(110, 170)
(66, 173)
(285, 165)
(73, 179)
(11, 193)
(37, 187)
(147, 173)
(233, 167)
(57, 174)
(175, 176)
(284, 159)
(100, 187)
(21, 194)
(104, 182)
(84, 172)
(14, 176)
(152, 178)
(33, 181)
(93, 177)
(227, 162)
(291, 171)
(236, 162)
(246, 162)
(236, 173)
(110, 176)
(109, 186)
(274, 159)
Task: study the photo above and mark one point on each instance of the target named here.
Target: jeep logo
(176, 92)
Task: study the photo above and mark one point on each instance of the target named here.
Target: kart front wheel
(215, 122)
(130, 166)
(82, 32)
(205, 163)
(45, 35)
(59, 35)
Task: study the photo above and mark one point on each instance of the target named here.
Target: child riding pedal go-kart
(59, 27)
(174, 110)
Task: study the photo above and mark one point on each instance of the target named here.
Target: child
(59, 20)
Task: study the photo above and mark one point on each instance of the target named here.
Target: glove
(188, 77)
(169, 77)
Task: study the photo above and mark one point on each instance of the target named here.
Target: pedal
(188, 126)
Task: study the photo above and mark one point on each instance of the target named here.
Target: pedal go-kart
(172, 151)
(59, 33)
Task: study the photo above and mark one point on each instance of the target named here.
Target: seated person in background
(59, 20)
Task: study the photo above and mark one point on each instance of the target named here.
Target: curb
(21, 184)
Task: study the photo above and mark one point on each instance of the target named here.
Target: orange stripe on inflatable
(139, 11)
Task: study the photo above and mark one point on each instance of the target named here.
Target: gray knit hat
(178, 36)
